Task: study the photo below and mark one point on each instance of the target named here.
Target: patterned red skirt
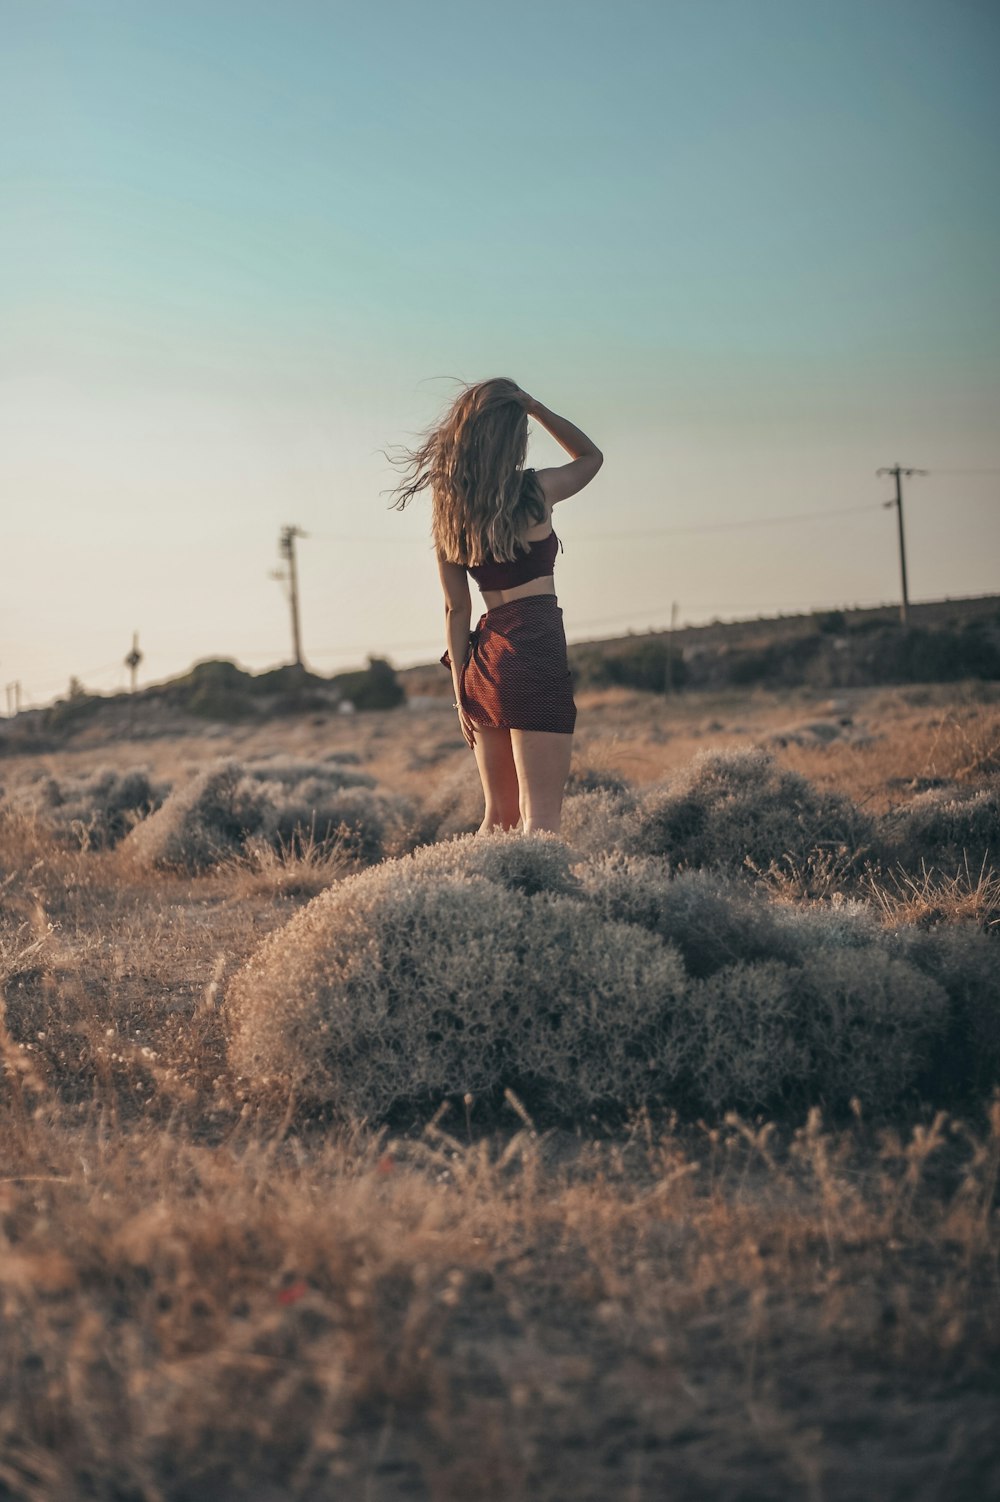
(516, 674)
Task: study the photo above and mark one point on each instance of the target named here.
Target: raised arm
(563, 480)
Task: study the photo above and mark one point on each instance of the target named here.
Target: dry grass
(525, 1316)
(205, 1296)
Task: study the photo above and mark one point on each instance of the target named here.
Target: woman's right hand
(468, 728)
(528, 402)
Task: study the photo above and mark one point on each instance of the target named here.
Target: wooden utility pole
(670, 648)
(286, 547)
(904, 606)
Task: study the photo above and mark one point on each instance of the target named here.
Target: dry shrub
(870, 1023)
(584, 777)
(489, 962)
(945, 829)
(505, 857)
(842, 923)
(591, 816)
(712, 918)
(412, 981)
(595, 821)
(745, 1035)
(95, 810)
(456, 804)
(840, 1024)
(730, 808)
(214, 816)
(202, 822)
(293, 773)
(964, 962)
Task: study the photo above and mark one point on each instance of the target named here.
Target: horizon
(245, 253)
(424, 663)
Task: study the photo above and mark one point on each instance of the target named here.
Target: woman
(493, 519)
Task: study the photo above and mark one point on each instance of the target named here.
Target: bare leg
(542, 760)
(499, 778)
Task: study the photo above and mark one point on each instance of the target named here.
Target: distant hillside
(946, 640)
(216, 690)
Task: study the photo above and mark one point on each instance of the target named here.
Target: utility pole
(133, 660)
(904, 607)
(670, 648)
(286, 547)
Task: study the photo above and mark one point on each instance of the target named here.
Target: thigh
(497, 771)
(542, 759)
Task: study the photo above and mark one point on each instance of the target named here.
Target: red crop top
(498, 574)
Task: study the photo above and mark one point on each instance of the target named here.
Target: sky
(249, 250)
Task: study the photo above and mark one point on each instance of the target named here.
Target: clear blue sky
(751, 248)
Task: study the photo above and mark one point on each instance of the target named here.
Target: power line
(759, 521)
(738, 524)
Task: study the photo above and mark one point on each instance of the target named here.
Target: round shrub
(712, 918)
(965, 963)
(411, 981)
(539, 864)
(940, 828)
(601, 1017)
(869, 1021)
(96, 809)
(385, 988)
(745, 1041)
(215, 814)
(495, 960)
(456, 805)
(595, 821)
(208, 818)
(729, 807)
(318, 776)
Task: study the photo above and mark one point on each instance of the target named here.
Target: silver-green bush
(492, 961)
(713, 919)
(96, 809)
(944, 829)
(730, 807)
(405, 983)
(218, 811)
(870, 1022)
(745, 1036)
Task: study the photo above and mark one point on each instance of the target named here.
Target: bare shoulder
(561, 481)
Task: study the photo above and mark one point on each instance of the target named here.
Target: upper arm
(564, 480)
(455, 583)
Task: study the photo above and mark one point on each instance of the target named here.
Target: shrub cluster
(96, 809)
(725, 809)
(216, 813)
(605, 984)
(945, 827)
(740, 810)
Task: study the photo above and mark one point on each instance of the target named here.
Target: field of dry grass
(208, 1292)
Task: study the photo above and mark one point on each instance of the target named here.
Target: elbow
(456, 612)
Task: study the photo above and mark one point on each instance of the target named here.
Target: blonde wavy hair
(473, 460)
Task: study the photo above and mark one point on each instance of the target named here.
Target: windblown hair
(473, 460)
